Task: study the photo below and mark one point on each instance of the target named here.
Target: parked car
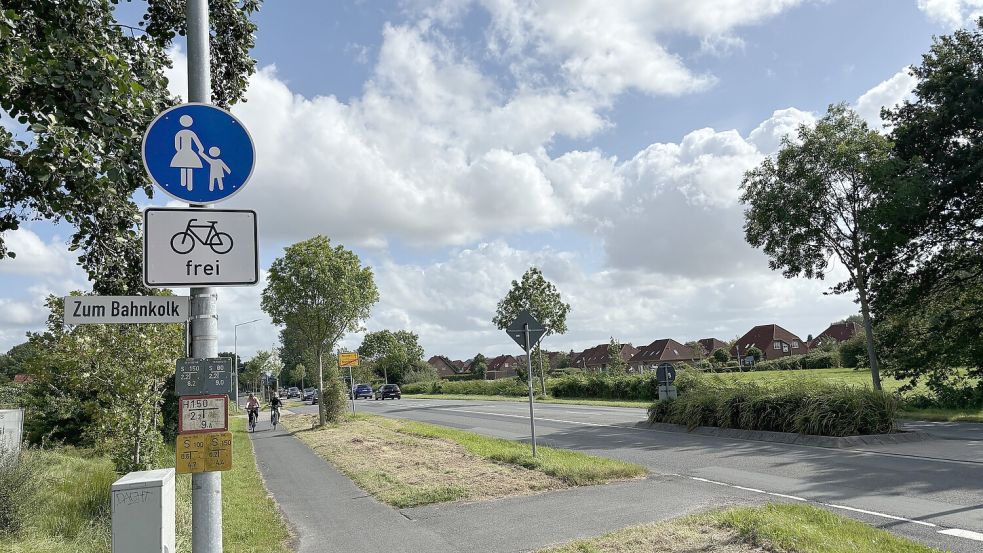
(293, 391)
(388, 390)
(314, 397)
(308, 394)
(362, 390)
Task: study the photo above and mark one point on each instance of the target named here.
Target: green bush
(853, 352)
(502, 387)
(624, 387)
(817, 408)
(820, 360)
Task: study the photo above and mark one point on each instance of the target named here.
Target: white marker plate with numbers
(198, 414)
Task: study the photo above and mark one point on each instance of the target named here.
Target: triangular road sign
(517, 330)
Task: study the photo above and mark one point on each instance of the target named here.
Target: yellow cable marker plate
(205, 452)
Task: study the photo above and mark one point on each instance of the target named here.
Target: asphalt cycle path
(929, 491)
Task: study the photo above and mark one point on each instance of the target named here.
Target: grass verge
(777, 527)
(943, 415)
(406, 464)
(71, 510)
(572, 401)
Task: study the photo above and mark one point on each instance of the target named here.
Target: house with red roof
(837, 332)
(665, 350)
(773, 341)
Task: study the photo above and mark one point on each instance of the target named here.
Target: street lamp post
(235, 353)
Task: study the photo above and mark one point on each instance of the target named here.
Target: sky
(452, 144)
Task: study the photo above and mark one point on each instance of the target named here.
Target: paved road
(929, 491)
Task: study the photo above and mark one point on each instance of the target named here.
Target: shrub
(817, 408)
(820, 360)
(643, 387)
(853, 352)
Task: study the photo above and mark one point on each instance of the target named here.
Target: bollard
(143, 512)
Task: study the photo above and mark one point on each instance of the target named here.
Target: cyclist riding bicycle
(252, 407)
(275, 405)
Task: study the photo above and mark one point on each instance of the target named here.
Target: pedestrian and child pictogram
(198, 153)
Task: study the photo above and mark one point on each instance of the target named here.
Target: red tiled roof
(664, 350)
(712, 344)
(838, 332)
(764, 336)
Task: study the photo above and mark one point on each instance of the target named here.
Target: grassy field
(584, 401)
(71, 512)
(407, 464)
(788, 528)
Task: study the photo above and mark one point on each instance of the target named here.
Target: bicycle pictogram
(184, 241)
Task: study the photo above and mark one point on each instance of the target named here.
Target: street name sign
(198, 153)
(197, 247)
(203, 452)
(203, 376)
(516, 330)
(198, 414)
(348, 359)
(11, 429)
(80, 310)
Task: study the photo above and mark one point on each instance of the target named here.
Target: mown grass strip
(407, 464)
(791, 528)
(573, 468)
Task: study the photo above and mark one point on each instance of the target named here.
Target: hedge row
(502, 387)
(624, 387)
(818, 360)
(823, 409)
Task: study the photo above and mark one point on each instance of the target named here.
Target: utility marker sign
(203, 376)
(198, 414)
(196, 247)
(80, 310)
(203, 452)
(11, 430)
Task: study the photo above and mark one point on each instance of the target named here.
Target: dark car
(314, 397)
(293, 391)
(388, 390)
(362, 390)
(308, 394)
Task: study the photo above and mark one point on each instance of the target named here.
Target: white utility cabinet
(143, 512)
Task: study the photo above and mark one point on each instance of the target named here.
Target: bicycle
(275, 416)
(219, 242)
(253, 417)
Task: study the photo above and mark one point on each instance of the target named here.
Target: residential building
(598, 357)
(712, 344)
(443, 365)
(837, 332)
(502, 366)
(773, 341)
(665, 350)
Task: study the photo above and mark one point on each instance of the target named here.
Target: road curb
(845, 442)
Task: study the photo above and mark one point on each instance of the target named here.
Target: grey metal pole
(351, 380)
(235, 364)
(532, 415)
(206, 487)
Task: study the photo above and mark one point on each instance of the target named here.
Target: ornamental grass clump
(809, 407)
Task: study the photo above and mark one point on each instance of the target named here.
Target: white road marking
(882, 515)
(962, 534)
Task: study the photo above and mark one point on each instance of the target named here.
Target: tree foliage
(103, 383)
(479, 365)
(321, 293)
(932, 305)
(84, 87)
(616, 363)
(818, 200)
(541, 298)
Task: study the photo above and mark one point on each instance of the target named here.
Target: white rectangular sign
(80, 310)
(200, 247)
(203, 414)
(11, 429)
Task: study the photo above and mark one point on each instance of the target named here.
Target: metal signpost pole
(532, 417)
(206, 487)
(351, 380)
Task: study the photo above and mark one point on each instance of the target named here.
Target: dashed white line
(962, 534)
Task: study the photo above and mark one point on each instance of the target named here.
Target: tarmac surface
(930, 491)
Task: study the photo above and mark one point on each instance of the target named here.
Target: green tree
(541, 298)
(699, 352)
(85, 87)
(256, 369)
(297, 375)
(616, 364)
(323, 293)
(16, 360)
(109, 375)
(479, 365)
(393, 354)
(753, 352)
(817, 200)
(721, 355)
(931, 310)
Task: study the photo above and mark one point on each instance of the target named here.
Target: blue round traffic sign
(198, 153)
